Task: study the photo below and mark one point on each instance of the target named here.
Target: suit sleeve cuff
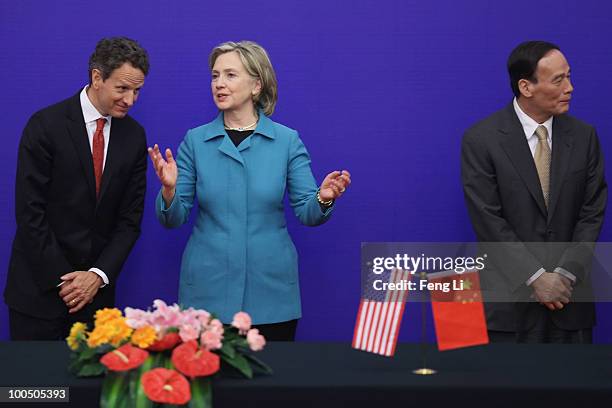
(101, 275)
(535, 276)
(565, 273)
(162, 205)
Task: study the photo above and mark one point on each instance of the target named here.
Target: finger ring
(73, 301)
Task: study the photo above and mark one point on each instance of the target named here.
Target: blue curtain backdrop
(384, 88)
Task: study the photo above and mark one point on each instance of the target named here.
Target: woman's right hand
(166, 171)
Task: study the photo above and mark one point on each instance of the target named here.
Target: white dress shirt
(91, 114)
(529, 127)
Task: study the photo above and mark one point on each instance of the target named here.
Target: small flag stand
(424, 370)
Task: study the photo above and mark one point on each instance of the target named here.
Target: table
(334, 375)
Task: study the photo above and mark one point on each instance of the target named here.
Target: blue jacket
(240, 255)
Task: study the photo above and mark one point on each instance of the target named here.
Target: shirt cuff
(565, 273)
(101, 275)
(535, 276)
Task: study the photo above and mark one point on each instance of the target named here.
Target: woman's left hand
(334, 185)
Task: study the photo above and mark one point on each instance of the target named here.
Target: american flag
(380, 316)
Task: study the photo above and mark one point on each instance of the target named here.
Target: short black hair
(523, 61)
(111, 53)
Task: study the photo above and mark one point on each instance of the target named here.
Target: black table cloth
(334, 375)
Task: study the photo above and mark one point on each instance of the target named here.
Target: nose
(129, 98)
(569, 88)
(220, 82)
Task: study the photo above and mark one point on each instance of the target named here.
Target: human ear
(525, 88)
(257, 87)
(96, 78)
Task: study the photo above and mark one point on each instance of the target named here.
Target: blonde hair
(257, 63)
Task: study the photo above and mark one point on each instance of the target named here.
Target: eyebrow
(123, 84)
(226, 70)
(561, 75)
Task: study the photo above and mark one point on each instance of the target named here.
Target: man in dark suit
(79, 198)
(533, 179)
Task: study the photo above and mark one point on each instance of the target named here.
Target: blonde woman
(238, 168)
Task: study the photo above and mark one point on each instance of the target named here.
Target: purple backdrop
(382, 88)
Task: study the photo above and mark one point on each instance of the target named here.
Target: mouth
(221, 96)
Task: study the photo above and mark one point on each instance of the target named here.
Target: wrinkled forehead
(228, 60)
(128, 75)
(552, 64)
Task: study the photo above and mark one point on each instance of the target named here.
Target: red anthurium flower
(124, 358)
(166, 386)
(166, 343)
(193, 361)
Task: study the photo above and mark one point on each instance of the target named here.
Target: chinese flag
(458, 313)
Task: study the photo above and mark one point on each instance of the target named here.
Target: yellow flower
(105, 315)
(121, 331)
(113, 331)
(144, 337)
(77, 332)
(100, 335)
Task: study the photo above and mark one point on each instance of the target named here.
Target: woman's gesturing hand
(334, 185)
(166, 171)
(164, 168)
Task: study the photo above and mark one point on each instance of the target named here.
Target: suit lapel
(516, 147)
(561, 152)
(227, 147)
(78, 134)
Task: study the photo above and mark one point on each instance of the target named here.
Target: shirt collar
(90, 113)
(265, 127)
(530, 125)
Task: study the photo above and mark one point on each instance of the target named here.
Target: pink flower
(165, 316)
(242, 321)
(256, 341)
(136, 318)
(216, 326)
(203, 316)
(211, 340)
(189, 317)
(188, 333)
(160, 306)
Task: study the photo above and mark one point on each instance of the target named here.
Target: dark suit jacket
(505, 203)
(61, 226)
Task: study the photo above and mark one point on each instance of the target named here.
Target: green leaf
(230, 334)
(159, 360)
(241, 342)
(140, 398)
(259, 365)
(91, 370)
(228, 350)
(167, 363)
(201, 393)
(87, 354)
(74, 366)
(114, 386)
(240, 363)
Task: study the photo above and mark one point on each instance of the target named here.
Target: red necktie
(98, 152)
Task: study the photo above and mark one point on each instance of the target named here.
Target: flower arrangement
(162, 356)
